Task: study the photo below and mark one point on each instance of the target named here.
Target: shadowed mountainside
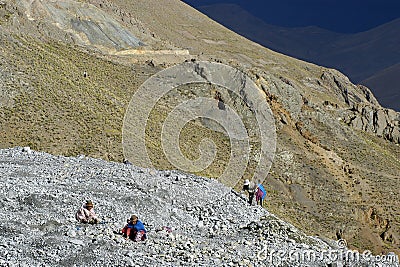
(387, 78)
(336, 168)
(361, 56)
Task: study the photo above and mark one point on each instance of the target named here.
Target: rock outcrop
(383, 122)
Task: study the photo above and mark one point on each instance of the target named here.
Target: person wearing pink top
(86, 213)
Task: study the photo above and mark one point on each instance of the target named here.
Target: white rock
(71, 233)
(77, 242)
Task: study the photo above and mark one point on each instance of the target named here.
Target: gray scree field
(211, 224)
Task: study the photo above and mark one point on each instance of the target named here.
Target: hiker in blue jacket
(260, 194)
(135, 229)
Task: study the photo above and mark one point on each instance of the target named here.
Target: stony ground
(211, 225)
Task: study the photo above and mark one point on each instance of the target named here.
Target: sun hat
(89, 203)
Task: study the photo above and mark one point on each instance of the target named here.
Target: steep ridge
(383, 39)
(303, 42)
(352, 54)
(337, 165)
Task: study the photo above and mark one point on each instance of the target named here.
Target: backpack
(264, 192)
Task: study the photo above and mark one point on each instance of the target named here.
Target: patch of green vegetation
(85, 113)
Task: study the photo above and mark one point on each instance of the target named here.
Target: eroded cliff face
(332, 159)
(73, 22)
(70, 68)
(375, 119)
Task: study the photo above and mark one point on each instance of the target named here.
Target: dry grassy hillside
(335, 172)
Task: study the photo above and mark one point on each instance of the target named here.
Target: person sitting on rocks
(251, 188)
(86, 213)
(134, 229)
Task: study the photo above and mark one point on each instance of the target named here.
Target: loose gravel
(211, 224)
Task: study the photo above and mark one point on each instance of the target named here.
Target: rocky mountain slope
(67, 80)
(211, 225)
(360, 56)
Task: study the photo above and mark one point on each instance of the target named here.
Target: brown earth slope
(65, 88)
